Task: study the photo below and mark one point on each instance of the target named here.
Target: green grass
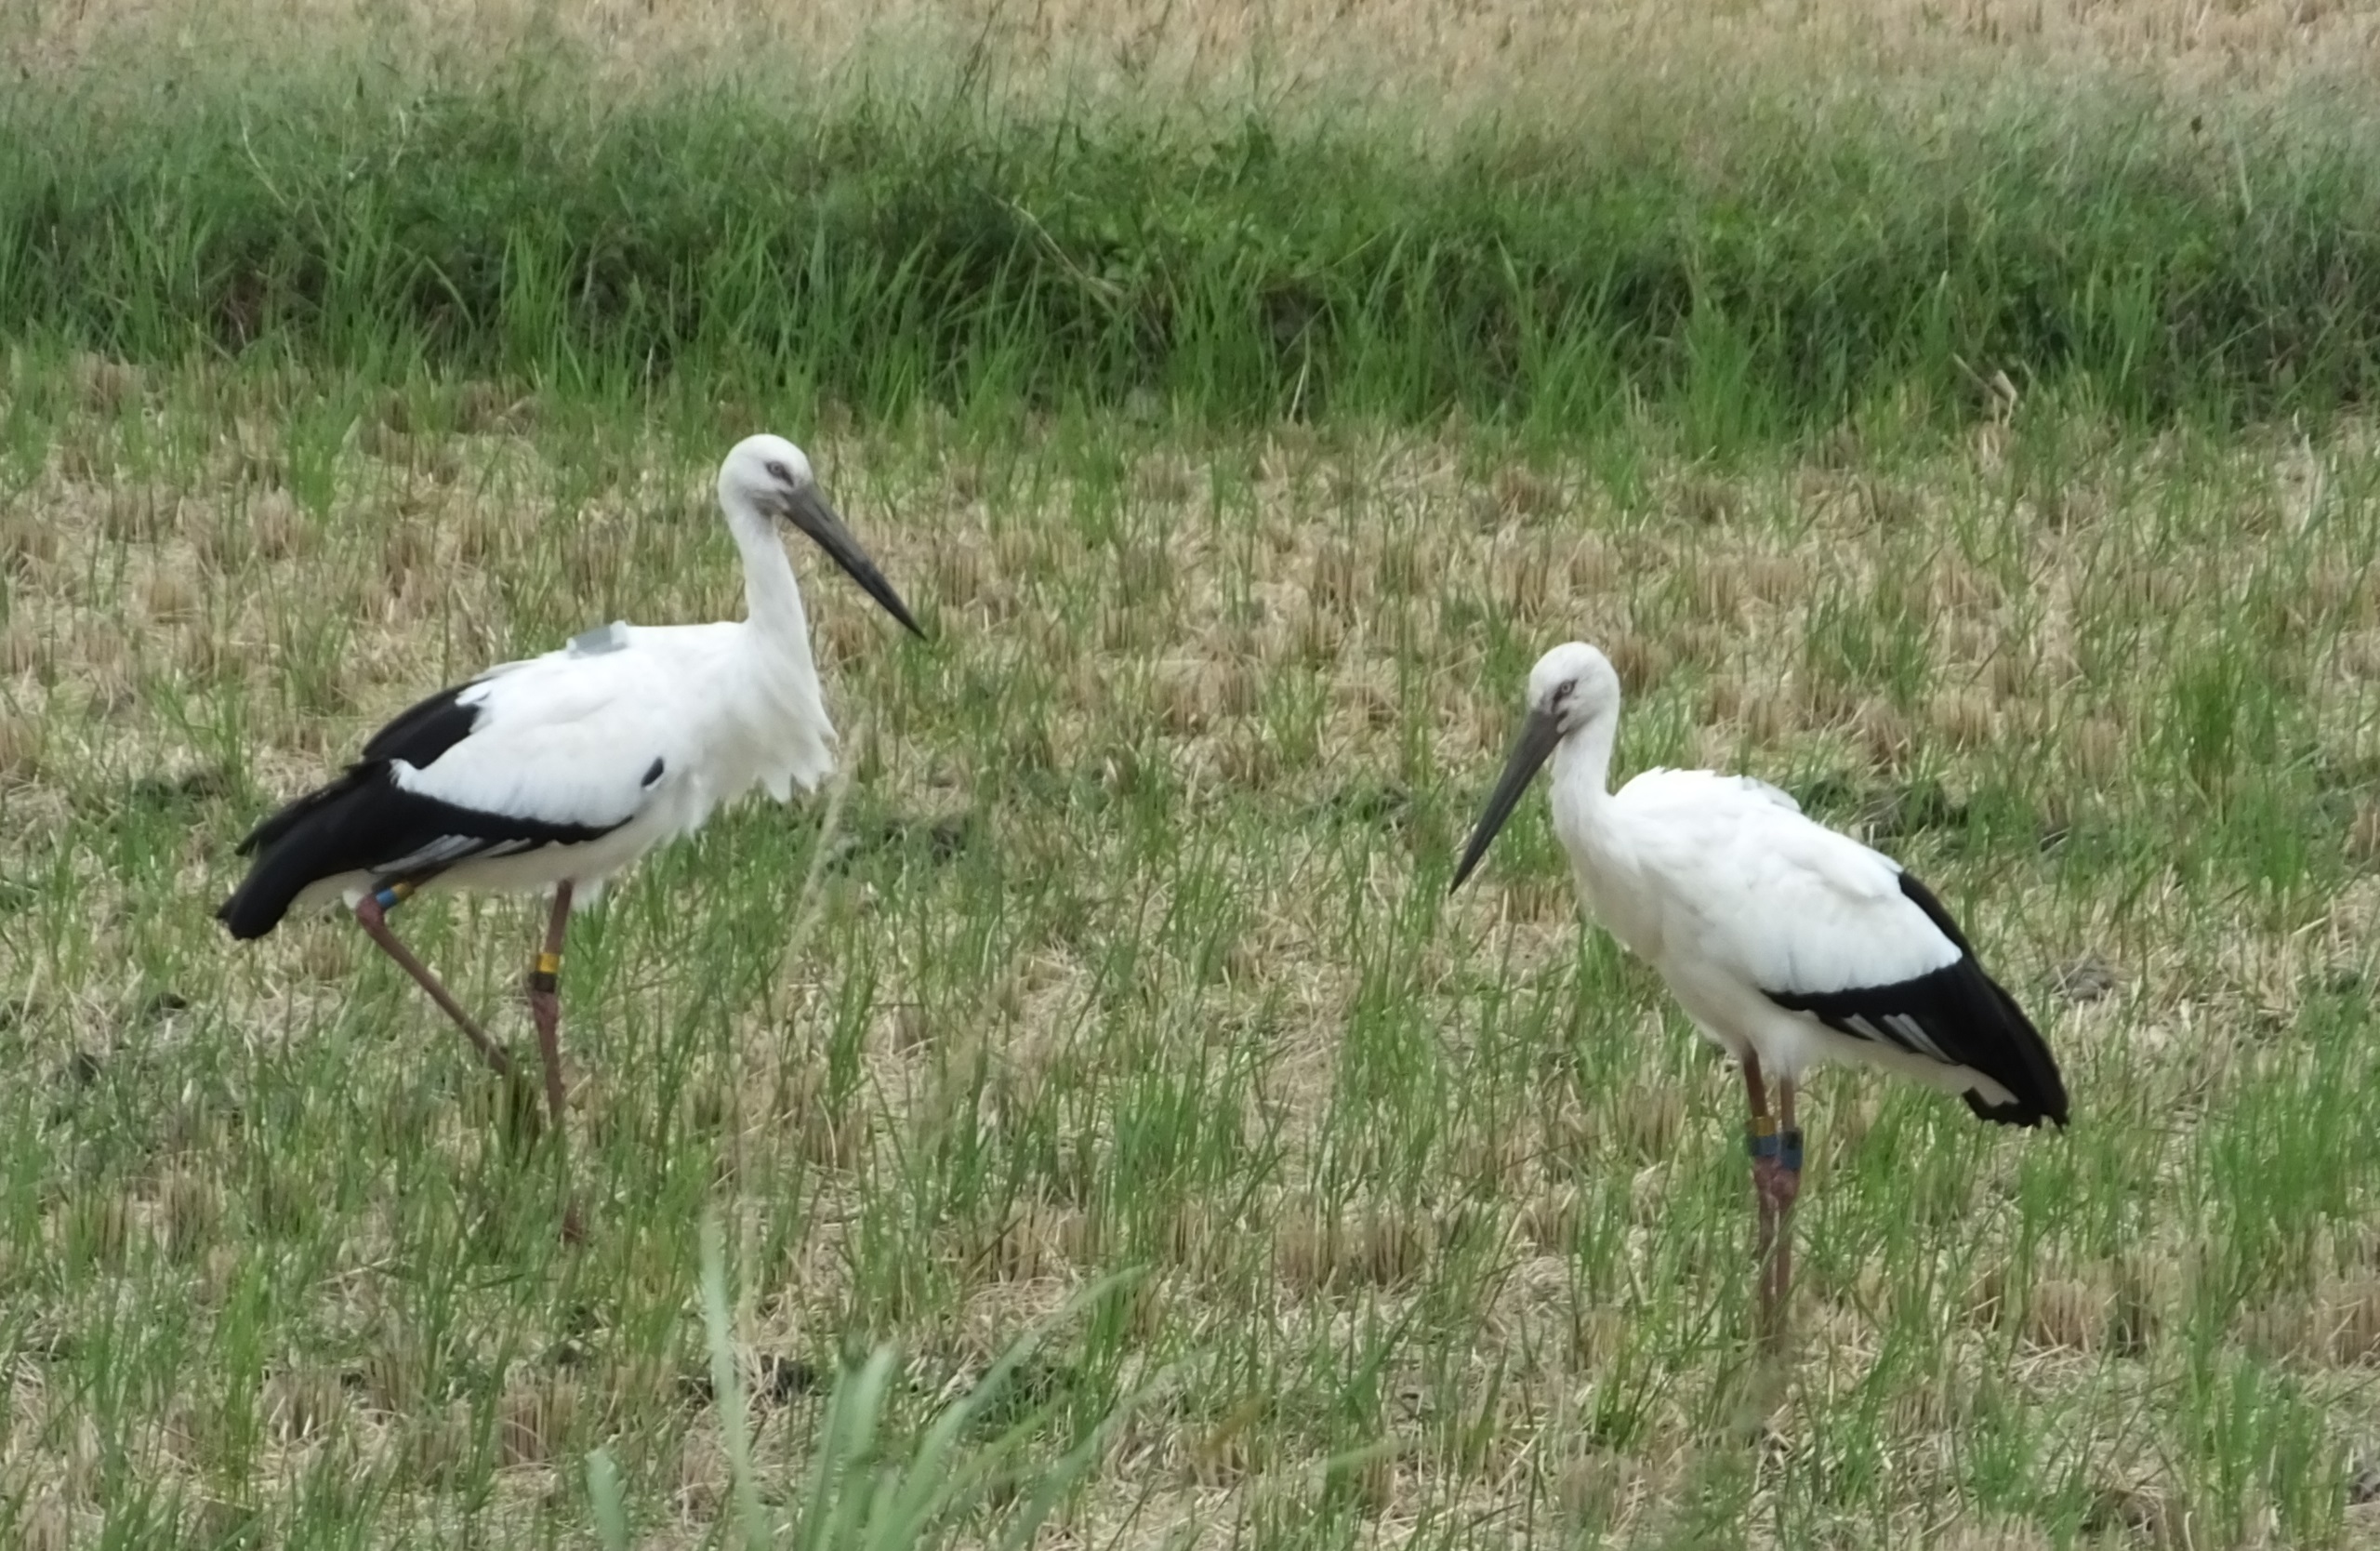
(1774, 266)
(1126, 948)
(853, 1497)
(1998, 483)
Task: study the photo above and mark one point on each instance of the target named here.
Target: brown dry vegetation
(1299, 657)
(1124, 944)
(1459, 58)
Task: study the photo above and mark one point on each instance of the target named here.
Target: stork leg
(545, 1007)
(372, 914)
(545, 1003)
(1785, 1187)
(1762, 1140)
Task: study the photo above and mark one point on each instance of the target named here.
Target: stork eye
(779, 473)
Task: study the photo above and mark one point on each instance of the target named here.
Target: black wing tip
(2041, 1091)
(245, 925)
(2019, 1113)
(1972, 1023)
(357, 824)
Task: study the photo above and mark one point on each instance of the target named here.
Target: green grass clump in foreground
(1760, 269)
(855, 1497)
(1131, 950)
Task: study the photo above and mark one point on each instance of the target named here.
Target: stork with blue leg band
(1807, 945)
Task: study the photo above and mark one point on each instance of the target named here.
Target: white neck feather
(1583, 761)
(772, 600)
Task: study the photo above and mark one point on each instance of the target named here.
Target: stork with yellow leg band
(559, 772)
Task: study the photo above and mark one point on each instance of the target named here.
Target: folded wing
(1823, 925)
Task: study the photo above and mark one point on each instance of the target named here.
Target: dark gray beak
(807, 511)
(1534, 746)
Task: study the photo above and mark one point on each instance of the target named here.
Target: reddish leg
(372, 914)
(545, 1007)
(1762, 1140)
(1788, 1189)
(545, 1004)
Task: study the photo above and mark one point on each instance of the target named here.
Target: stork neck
(1583, 763)
(1586, 820)
(772, 600)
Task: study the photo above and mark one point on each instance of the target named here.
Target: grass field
(1116, 991)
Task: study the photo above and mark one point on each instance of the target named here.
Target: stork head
(1572, 686)
(769, 475)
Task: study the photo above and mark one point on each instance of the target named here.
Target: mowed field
(1113, 990)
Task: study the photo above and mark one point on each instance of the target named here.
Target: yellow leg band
(549, 963)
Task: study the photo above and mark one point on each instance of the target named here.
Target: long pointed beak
(807, 511)
(1530, 751)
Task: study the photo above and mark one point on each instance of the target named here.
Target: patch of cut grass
(1133, 950)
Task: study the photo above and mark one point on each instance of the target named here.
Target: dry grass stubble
(1461, 60)
(1134, 918)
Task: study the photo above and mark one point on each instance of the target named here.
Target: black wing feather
(1966, 1016)
(418, 735)
(364, 822)
(422, 732)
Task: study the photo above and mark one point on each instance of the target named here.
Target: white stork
(558, 771)
(1787, 943)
